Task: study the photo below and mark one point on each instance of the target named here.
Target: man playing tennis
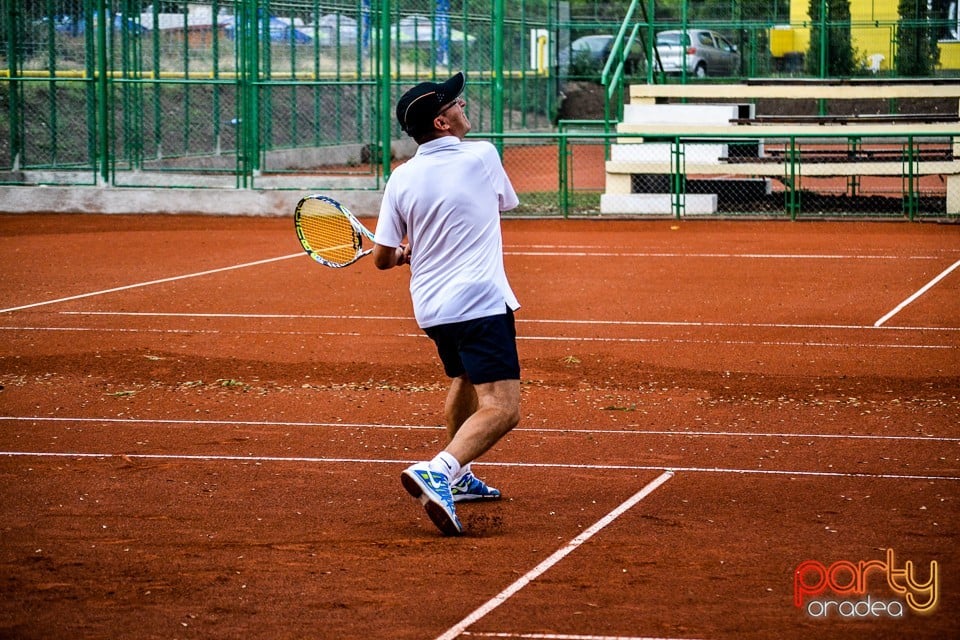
(446, 201)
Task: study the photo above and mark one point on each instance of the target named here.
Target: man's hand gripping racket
(329, 233)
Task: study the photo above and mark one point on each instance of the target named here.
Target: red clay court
(202, 435)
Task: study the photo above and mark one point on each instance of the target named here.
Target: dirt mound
(581, 101)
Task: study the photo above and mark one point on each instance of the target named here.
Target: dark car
(586, 57)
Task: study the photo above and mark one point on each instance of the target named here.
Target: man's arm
(389, 257)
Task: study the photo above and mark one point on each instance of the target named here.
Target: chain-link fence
(299, 94)
(249, 92)
(811, 176)
(584, 172)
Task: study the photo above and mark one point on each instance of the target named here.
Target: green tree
(699, 11)
(830, 36)
(917, 51)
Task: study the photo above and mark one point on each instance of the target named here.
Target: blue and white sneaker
(432, 489)
(470, 487)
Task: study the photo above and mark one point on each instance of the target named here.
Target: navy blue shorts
(484, 349)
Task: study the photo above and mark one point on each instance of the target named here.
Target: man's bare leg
(497, 411)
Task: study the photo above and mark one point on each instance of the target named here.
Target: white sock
(446, 464)
(464, 470)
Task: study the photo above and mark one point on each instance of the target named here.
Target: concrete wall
(135, 200)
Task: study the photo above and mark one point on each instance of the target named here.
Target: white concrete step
(713, 114)
(656, 203)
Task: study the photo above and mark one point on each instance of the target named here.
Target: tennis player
(446, 202)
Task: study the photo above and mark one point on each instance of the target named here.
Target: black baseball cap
(420, 105)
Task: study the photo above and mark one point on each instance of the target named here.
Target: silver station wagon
(705, 52)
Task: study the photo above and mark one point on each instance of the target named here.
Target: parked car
(588, 55)
(705, 52)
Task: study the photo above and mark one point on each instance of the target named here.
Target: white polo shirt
(446, 200)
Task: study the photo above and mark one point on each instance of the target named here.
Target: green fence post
(910, 196)
(249, 91)
(131, 91)
(498, 46)
(684, 35)
(678, 178)
(853, 181)
(52, 88)
(156, 89)
(652, 56)
(386, 107)
(215, 74)
(790, 180)
(824, 39)
(242, 29)
(562, 172)
(186, 84)
(90, 88)
(102, 94)
(16, 133)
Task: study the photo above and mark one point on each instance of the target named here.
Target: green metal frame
(125, 80)
(572, 131)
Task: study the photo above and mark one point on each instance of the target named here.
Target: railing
(798, 176)
(612, 77)
(121, 105)
(119, 90)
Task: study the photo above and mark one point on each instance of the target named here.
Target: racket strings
(328, 233)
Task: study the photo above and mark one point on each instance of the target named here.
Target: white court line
(556, 557)
(567, 251)
(404, 427)
(723, 470)
(151, 282)
(626, 323)
(792, 473)
(524, 338)
(185, 331)
(555, 636)
(916, 295)
(734, 325)
(242, 316)
(761, 343)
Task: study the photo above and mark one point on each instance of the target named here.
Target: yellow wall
(867, 40)
(950, 55)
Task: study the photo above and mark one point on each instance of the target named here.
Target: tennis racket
(329, 233)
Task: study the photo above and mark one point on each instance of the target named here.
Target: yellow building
(873, 32)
